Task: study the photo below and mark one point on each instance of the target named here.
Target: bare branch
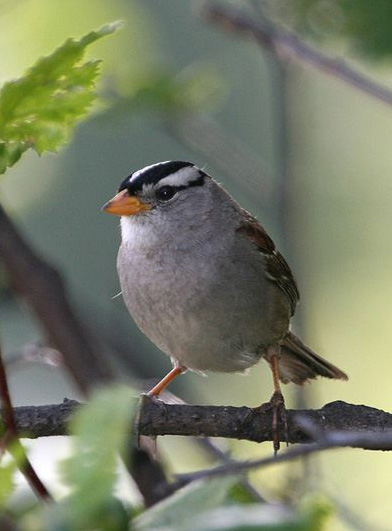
(158, 418)
(51, 420)
(286, 44)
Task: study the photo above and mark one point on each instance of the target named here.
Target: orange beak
(124, 204)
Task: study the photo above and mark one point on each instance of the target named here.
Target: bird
(203, 280)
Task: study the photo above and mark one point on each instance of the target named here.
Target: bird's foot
(279, 419)
(278, 413)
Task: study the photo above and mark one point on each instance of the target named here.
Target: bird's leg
(160, 386)
(277, 404)
(148, 443)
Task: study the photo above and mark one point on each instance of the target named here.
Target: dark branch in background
(149, 476)
(355, 422)
(328, 441)
(287, 45)
(11, 441)
(40, 285)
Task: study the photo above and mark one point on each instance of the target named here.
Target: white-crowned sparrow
(203, 280)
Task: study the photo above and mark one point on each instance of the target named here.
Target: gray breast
(208, 304)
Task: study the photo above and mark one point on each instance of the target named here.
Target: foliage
(192, 90)
(364, 26)
(102, 431)
(209, 505)
(40, 109)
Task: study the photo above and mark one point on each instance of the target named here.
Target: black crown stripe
(153, 175)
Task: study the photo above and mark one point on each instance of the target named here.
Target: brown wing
(277, 270)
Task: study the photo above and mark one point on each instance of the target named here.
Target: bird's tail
(298, 363)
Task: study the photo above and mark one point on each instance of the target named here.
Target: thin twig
(12, 441)
(287, 44)
(367, 440)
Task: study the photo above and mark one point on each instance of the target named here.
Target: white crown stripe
(182, 177)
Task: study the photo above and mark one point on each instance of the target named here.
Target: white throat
(135, 233)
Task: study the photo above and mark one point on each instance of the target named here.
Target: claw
(278, 412)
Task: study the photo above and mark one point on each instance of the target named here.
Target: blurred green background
(171, 83)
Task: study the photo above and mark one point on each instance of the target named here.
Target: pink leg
(160, 386)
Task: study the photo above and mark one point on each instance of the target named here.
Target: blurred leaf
(194, 89)
(207, 505)
(7, 480)
(40, 109)
(365, 26)
(102, 429)
(10, 464)
(265, 517)
(174, 512)
(240, 517)
(238, 493)
(110, 516)
(316, 509)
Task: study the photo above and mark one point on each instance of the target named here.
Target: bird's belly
(203, 324)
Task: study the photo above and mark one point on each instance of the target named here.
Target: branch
(40, 285)
(287, 44)
(158, 418)
(50, 420)
(338, 439)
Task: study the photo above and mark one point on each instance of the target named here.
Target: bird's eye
(165, 193)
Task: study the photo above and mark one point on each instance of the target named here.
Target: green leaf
(10, 463)
(207, 505)
(239, 494)
(10, 152)
(174, 512)
(40, 109)
(7, 481)
(102, 429)
(196, 89)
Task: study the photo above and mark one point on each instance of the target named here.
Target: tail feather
(298, 363)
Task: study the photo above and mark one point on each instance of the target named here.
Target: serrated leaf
(10, 153)
(102, 428)
(40, 109)
(175, 511)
